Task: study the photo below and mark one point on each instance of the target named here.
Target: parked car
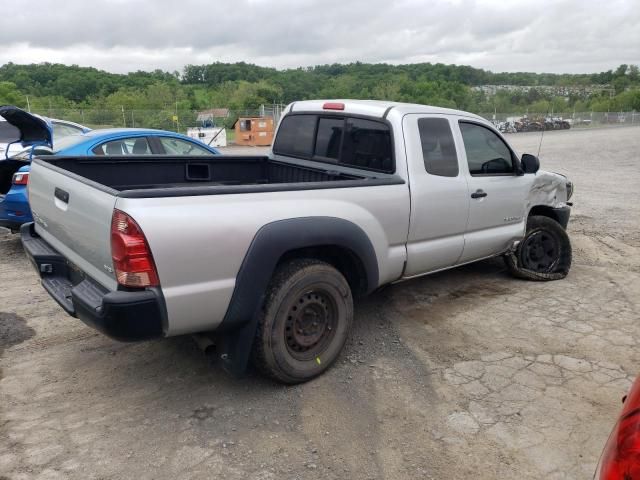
(14, 172)
(265, 253)
(621, 457)
(10, 135)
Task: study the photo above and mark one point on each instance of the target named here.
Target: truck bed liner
(154, 176)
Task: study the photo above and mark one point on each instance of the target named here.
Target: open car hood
(34, 130)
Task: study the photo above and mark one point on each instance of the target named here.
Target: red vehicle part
(621, 457)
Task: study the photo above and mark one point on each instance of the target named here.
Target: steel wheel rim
(540, 252)
(311, 324)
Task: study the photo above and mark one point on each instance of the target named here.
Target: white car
(10, 136)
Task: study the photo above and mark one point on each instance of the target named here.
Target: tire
(304, 322)
(543, 254)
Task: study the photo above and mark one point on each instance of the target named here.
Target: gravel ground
(463, 374)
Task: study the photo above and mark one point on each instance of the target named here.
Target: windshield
(63, 143)
(58, 146)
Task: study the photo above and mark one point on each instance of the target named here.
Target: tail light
(621, 457)
(20, 178)
(132, 259)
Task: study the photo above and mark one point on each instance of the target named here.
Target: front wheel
(543, 254)
(304, 322)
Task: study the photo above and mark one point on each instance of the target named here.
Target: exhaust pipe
(205, 343)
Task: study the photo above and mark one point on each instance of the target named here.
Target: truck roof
(376, 108)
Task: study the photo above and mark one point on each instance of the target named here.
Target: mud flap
(234, 348)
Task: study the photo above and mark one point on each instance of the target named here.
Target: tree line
(49, 87)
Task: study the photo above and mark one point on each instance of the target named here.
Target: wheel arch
(560, 214)
(336, 241)
(544, 211)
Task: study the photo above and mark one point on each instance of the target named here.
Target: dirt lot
(464, 374)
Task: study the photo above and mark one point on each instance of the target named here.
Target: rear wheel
(304, 322)
(544, 253)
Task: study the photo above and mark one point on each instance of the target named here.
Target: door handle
(61, 195)
(479, 193)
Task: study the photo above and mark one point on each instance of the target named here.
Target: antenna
(540, 145)
(543, 129)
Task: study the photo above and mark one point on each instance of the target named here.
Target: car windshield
(58, 146)
(63, 143)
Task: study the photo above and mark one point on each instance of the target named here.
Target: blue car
(36, 136)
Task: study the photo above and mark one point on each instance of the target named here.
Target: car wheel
(543, 254)
(304, 322)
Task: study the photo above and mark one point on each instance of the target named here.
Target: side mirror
(530, 163)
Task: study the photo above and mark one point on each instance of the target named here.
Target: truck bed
(153, 176)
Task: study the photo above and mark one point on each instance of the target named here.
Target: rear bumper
(14, 208)
(12, 225)
(122, 315)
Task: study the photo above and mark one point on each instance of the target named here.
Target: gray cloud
(125, 35)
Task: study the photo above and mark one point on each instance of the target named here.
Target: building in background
(210, 129)
(254, 131)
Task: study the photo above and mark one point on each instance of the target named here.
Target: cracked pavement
(463, 374)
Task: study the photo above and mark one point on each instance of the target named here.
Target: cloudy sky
(501, 35)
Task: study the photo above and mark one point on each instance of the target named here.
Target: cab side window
(124, 146)
(438, 148)
(487, 154)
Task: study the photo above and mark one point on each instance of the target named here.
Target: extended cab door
(497, 192)
(439, 194)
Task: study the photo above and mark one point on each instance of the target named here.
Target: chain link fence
(181, 120)
(168, 119)
(531, 121)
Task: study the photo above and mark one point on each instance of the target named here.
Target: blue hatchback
(37, 137)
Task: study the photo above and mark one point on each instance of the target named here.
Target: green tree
(9, 95)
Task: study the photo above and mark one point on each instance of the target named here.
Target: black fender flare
(270, 243)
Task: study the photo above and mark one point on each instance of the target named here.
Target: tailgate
(74, 216)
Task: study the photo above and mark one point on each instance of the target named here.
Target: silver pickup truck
(265, 253)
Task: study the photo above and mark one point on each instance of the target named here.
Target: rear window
(329, 137)
(354, 142)
(367, 144)
(296, 135)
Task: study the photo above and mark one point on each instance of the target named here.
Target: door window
(176, 146)
(124, 146)
(438, 148)
(487, 154)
